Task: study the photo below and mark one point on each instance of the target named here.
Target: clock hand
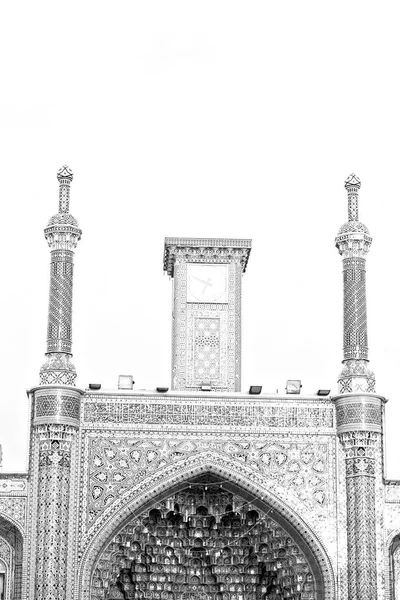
(208, 282)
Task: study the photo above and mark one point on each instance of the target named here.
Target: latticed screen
(207, 350)
(203, 543)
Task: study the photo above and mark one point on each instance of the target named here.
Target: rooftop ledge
(207, 395)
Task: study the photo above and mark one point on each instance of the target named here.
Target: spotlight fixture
(255, 389)
(293, 386)
(323, 392)
(162, 389)
(125, 382)
(94, 386)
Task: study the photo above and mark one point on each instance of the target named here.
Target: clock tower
(206, 317)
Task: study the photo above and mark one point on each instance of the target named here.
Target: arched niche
(394, 568)
(3, 579)
(11, 554)
(234, 483)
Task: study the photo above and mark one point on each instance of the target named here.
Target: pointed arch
(237, 478)
(7, 518)
(12, 537)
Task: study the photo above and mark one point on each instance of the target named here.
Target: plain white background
(204, 118)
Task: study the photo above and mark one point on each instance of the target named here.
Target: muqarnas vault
(202, 492)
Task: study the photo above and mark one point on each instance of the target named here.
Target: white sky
(203, 118)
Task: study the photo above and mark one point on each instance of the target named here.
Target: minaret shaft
(352, 191)
(355, 336)
(63, 202)
(59, 328)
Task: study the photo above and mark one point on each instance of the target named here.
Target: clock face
(207, 283)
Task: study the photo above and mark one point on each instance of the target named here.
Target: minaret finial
(352, 185)
(64, 176)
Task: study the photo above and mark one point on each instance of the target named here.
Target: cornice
(205, 250)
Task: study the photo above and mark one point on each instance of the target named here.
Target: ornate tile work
(207, 345)
(52, 513)
(58, 370)
(12, 485)
(207, 349)
(209, 250)
(59, 328)
(6, 557)
(392, 492)
(361, 514)
(253, 482)
(380, 519)
(118, 463)
(5, 551)
(14, 508)
(218, 413)
(355, 412)
(355, 337)
(57, 406)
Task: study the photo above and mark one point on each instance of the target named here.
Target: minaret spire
(62, 234)
(353, 242)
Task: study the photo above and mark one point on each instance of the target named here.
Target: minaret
(358, 412)
(56, 404)
(353, 242)
(62, 234)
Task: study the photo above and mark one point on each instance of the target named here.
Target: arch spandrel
(238, 479)
(13, 510)
(300, 474)
(10, 518)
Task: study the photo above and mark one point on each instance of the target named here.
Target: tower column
(358, 408)
(55, 423)
(62, 235)
(206, 319)
(359, 430)
(353, 242)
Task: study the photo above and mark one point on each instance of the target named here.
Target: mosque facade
(203, 491)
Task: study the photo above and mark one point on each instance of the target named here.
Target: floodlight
(293, 386)
(125, 382)
(206, 386)
(94, 386)
(162, 389)
(323, 392)
(255, 389)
